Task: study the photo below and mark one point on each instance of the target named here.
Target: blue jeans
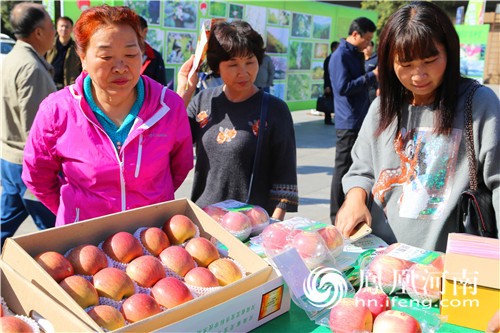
(16, 205)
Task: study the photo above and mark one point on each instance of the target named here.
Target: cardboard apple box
(25, 299)
(471, 283)
(19, 253)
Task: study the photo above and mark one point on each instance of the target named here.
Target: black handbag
(324, 104)
(476, 215)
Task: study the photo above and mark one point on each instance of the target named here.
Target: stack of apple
(370, 311)
(315, 244)
(240, 219)
(421, 282)
(132, 277)
(11, 323)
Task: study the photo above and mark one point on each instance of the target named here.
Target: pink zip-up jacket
(73, 168)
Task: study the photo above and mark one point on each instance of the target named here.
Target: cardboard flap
(486, 272)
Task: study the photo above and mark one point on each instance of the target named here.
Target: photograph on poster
(180, 14)
(277, 40)
(236, 11)
(150, 10)
(279, 64)
(156, 38)
(278, 16)
(317, 70)
(301, 25)
(300, 55)
(316, 90)
(278, 90)
(472, 59)
(217, 8)
(256, 17)
(180, 46)
(299, 87)
(321, 27)
(320, 50)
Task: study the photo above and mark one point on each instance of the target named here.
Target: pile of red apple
(316, 246)
(10, 323)
(240, 219)
(132, 277)
(421, 282)
(370, 311)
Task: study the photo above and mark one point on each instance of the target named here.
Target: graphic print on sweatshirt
(426, 172)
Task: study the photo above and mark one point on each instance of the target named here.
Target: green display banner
(473, 40)
(475, 12)
(297, 35)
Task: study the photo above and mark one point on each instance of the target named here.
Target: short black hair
(65, 18)
(362, 25)
(144, 23)
(233, 39)
(24, 22)
(334, 45)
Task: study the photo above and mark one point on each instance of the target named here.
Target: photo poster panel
(297, 35)
(473, 41)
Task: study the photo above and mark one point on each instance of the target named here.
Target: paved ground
(315, 157)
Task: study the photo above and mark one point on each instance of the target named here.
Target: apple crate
(19, 253)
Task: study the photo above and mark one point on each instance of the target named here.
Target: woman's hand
(494, 323)
(279, 213)
(353, 212)
(185, 87)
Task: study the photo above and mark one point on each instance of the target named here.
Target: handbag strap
(469, 137)
(260, 139)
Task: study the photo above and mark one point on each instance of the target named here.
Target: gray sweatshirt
(417, 179)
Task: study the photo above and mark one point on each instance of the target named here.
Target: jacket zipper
(139, 157)
(77, 217)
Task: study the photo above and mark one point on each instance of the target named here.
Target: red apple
(215, 212)
(374, 299)
(396, 321)
(348, 316)
(138, 307)
(423, 283)
(145, 270)
(87, 259)
(311, 247)
(202, 251)
(154, 240)
(387, 272)
(275, 238)
(113, 283)
(170, 292)
(107, 317)
(333, 238)
(179, 229)
(81, 290)
(11, 324)
(238, 224)
(122, 247)
(201, 277)
(259, 218)
(226, 271)
(177, 259)
(55, 264)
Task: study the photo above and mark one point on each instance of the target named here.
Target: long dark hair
(411, 33)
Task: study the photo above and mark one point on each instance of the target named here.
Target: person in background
(117, 140)
(225, 123)
(327, 83)
(152, 61)
(371, 60)
(26, 81)
(63, 56)
(350, 85)
(265, 75)
(410, 154)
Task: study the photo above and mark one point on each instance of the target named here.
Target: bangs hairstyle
(95, 18)
(231, 40)
(412, 33)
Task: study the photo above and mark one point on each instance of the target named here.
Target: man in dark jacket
(350, 85)
(327, 83)
(152, 61)
(63, 56)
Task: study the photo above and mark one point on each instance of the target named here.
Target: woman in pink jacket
(114, 140)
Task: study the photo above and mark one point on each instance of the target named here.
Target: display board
(473, 40)
(297, 35)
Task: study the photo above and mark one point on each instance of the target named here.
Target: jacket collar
(28, 47)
